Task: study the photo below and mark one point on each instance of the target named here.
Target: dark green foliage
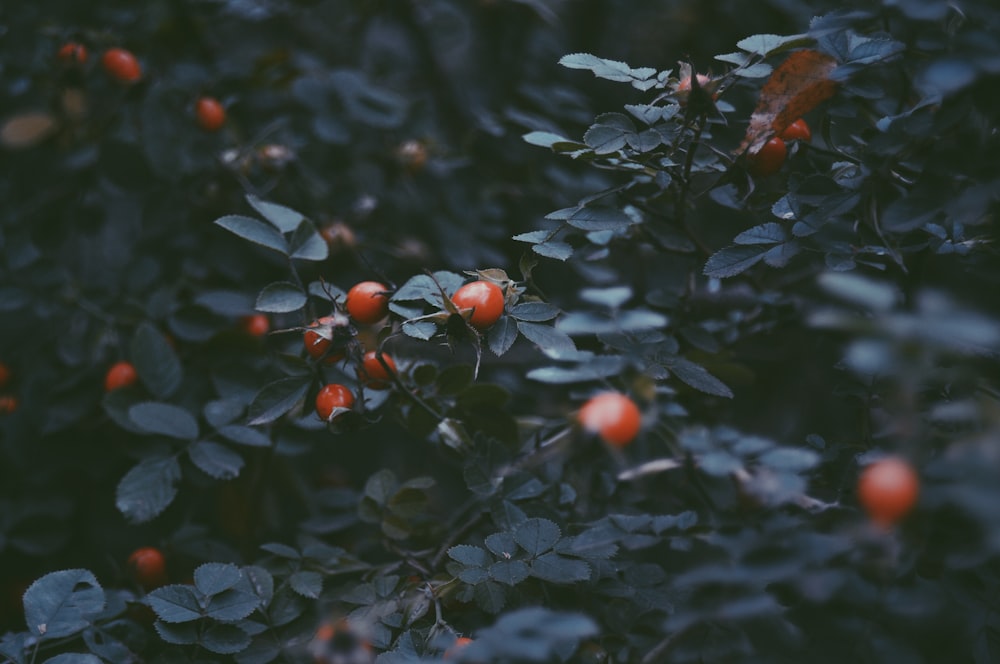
(777, 333)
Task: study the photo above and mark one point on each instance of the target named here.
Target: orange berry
(210, 113)
(148, 566)
(460, 642)
(373, 374)
(317, 345)
(888, 490)
(256, 325)
(485, 299)
(121, 374)
(612, 416)
(331, 397)
(367, 302)
(4, 375)
(72, 53)
(121, 65)
(768, 159)
(797, 131)
(8, 404)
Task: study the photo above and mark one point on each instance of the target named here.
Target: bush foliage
(779, 329)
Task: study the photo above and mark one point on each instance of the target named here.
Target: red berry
(8, 404)
(4, 375)
(888, 490)
(211, 115)
(318, 343)
(373, 374)
(256, 325)
(612, 416)
(72, 53)
(331, 397)
(121, 374)
(797, 131)
(121, 65)
(148, 567)
(460, 642)
(768, 159)
(485, 299)
(367, 302)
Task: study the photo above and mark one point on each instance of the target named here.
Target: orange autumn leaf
(795, 87)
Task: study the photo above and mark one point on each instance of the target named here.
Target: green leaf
(381, 486)
(307, 244)
(232, 605)
(869, 293)
(74, 658)
(611, 70)
(307, 583)
(509, 572)
(535, 312)
(769, 233)
(604, 139)
(559, 251)
(790, 459)
(543, 139)
(225, 639)
(769, 44)
(276, 399)
(502, 544)
(215, 460)
(242, 435)
(593, 218)
(545, 337)
(600, 367)
(62, 603)
(148, 489)
(183, 634)
(490, 597)
(155, 361)
(254, 231)
(537, 535)
(733, 260)
(280, 297)
(502, 335)
(697, 377)
(225, 302)
(174, 604)
(283, 218)
(471, 556)
(164, 419)
(214, 578)
(554, 568)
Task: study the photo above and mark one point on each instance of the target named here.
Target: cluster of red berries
(367, 303)
(769, 159)
(122, 66)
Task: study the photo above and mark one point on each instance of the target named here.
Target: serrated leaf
(537, 535)
(768, 44)
(221, 412)
(554, 568)
(232, 605)
(769, 233)
(604, 139)
(276, 399)
(62, 603)
(225, 639)
(155, 361)
(254, 231)
(559, 251)
(471, 556)
(422, 330)
(600, 367)
(490, 597)
(733, 260)
(502, 335)
(535, 312)
(148, 489)
(501, 544)
(183, 634)
(545, 337)
(215, 460)
(543, 139)
(280, 297)
(213, 578)
(242, 435)
(174, 604)
(307, 244)
(164, 419)
(698, 377)
(611, 70)
(283, 218)
(307, 583)
(509, 572)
